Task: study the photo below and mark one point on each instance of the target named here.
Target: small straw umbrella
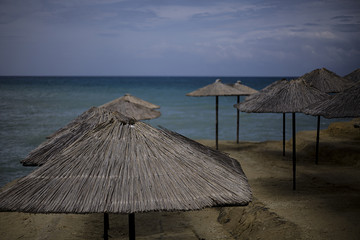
(342, 105)
(246, 91)
(66, 136)
(291, 97)
(87, 120)
(270, 90)
(133, 99)
(328, 82)
(215, 89)
(128, 105)
(126, 166)
(354, 75)
(131, 109)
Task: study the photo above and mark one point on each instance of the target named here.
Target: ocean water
(32, 108)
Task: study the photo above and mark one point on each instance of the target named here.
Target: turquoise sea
(32, 108)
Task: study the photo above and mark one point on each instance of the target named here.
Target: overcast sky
(178, 37)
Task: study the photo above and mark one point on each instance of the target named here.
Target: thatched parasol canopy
(342, 105)
(215, 89)
(326, 81)
(133, 99)
(66, 136)
(283, 97)
(122, 166)
(354, 75)
(128, 105)
(131, 110)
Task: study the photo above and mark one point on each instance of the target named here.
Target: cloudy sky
(178, 37)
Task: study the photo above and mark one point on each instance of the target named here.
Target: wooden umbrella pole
(238, 120)
(132, 226)
(217, 122)
(317, 140)
(283, 134)
(106, 226)
(294, 150)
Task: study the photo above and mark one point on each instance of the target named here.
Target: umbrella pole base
(132, 226)
(106, 226)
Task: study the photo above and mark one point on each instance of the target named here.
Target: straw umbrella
(215, 89)
(354, 75)
(290, 97)
(125, 166)
(66, 136)
(246, 91)
(342, 105)
(87, 120)
(128, 105)
(270, 89)
(131, 109)
(139, 101)
(328, 82)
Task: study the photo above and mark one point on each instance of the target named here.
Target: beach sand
(325, 205)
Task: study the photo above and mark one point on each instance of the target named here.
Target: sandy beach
(325, 205)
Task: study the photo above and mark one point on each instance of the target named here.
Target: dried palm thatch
(131, 109)
(354, 75)
(122, 166)
(216, 89)
(283, 97)
(133, 99)
(66, 136)
(326, 81)
(289, 97)
(342, 105)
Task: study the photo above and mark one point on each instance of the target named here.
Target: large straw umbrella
(126, 166)
(246, 91)
(291, 97)
(328, 82)
(354, 75)
(215, 89)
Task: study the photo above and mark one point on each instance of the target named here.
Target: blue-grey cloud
(177, 37)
